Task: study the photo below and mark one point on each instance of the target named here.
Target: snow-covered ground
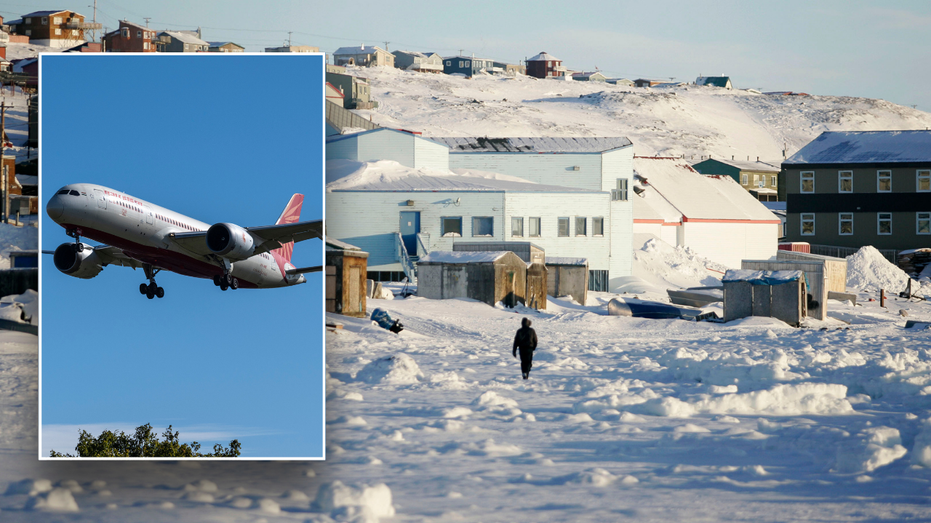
(689, 120)
(622, 419)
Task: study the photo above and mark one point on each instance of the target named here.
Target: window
(845, 220)
(924, 223)
(884, 223)
(138, 34)
(483, 226)
(808, 181)
(563, 227)
(44, 20)
(845, 181)
(884, 181)
(57, 31)
(744, 179)
(620, 194)
(461, 64)
(924, 181)
(808, 224)
(517, 226)
(535, 227)
(28, 21)
(28, 32)
(598, 226)
(124, 32)
(451, 226)
(145, 46)
(57, 20)
(581, 226)
(468, 63)
(449, 63)
(773, 183)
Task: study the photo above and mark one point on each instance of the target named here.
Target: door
(409, 227)
(101, 199)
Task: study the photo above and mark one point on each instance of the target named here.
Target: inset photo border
(180, 143)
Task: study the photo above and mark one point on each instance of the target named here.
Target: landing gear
(152, 290)
(226, 280)
(76, 234)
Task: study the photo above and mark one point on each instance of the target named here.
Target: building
(596, 76)
(715, 81)
(760, 178)
(129, 38)
(388, 144)
(509, 69)
(180, 42)
(543, 65)
(644, 82)
(61, 29)
(333, 94)
(356, 89)
(345, 278)
(363, 56)
(417, 61)
(488, 276)
(712, 215)
(851, 189)
(594, 164)
(293, 49)
(468, 66)
(623, 82)
(225, 47)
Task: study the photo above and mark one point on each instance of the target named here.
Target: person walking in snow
(526, 341)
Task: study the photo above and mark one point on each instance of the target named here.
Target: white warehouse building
(712, 215)
(567, 195)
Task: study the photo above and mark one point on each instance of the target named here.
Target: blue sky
(220, 139)
(872, 49)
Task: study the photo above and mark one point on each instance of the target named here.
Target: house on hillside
(595, 164)
(761, 179)
(643, 82)
(715, 81)
(129, 38)
(623, 82)
(417, 61)
(509, 69)
(225, 47)
(333, 94)
(596, 76)
(293, 49)
(857, 188)
(363, 56)
(543, 65)
(467, 65)
(59, 29)
(356, 89)
(712, 215)
(180, 42)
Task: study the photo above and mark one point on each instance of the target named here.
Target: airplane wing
(112, 256)
(271, 237)
(266, 238)
(305, 270)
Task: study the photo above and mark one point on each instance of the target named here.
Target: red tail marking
(291, 214)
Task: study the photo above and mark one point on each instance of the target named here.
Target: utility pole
(386, 45)
(147, 18)
(289, 38)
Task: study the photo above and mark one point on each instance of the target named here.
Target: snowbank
(868, 270)
(399, 369)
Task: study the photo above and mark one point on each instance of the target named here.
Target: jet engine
(85, 264)
(230, 241)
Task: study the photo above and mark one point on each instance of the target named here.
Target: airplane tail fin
(291, 214)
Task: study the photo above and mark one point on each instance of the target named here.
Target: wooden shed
(568, 277)
(823, 274)
(486, 276)
(345, 278)
(527, 251)
(776, 294)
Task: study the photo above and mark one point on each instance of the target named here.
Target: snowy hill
(688, 120)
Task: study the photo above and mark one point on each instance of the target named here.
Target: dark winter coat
(525, 340)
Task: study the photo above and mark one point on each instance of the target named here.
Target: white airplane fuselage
(142, 230)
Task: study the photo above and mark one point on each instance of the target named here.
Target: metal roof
(851, 147)
(481, 144)
(543, 57)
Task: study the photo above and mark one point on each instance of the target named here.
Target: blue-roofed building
(851, 189)
(715, 81)
(467, 65)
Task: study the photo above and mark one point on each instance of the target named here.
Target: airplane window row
(72, 192)
(175, 222)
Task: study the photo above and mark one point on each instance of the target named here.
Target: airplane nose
(55, 207)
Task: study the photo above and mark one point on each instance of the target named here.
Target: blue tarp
(762, 277)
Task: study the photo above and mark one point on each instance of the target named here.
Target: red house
(545, 66)
(129, 38)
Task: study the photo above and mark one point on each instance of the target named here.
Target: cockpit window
(74, 193)
(63, 191)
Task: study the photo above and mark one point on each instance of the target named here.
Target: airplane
(140, 234)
